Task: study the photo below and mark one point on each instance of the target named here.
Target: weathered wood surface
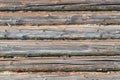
(57, 76)
(60, 39)
(59, 5)
(73, 64)
(59, 47)
(56, 18)
(61, 32)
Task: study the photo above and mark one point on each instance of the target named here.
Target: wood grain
(59, 18)
(59, 5)
(73, 32)
(61, 75)
(59, 47)
(77, 64)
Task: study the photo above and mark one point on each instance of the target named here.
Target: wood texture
(74, 64)
(59, 39)
(57, 76)
(61, 32)
(59, 5)
(59, 18)
(59, 47)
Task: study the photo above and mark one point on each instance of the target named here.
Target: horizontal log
(35, 48)
(59, 5)
(63, 65)
(56, 18)
(57, 76)
(60, 32)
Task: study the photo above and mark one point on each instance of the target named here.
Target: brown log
(59, 5)
(59, 18)
(100, 64)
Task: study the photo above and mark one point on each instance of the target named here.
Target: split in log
(99, 64)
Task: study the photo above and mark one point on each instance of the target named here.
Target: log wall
(60, 39)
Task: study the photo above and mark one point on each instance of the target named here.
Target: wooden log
(105, 64)
(73, 32)
(59, 5)
(61, 75)
(59, 18)
(35, 48)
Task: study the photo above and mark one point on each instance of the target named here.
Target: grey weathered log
(37, 48)
(56, 18)
(60, 32)
(61, 75)
(100, 64)
(59, 5)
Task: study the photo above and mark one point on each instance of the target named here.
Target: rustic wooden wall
(60, 39)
